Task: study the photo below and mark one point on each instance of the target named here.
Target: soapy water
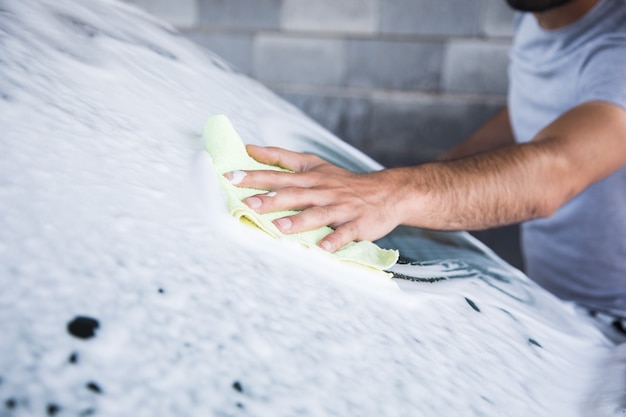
(128, 290)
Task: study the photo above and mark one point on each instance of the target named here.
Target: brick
(280, 59)
(240, 14)
(182, 13)
(431, 17)
(394, 65)
(235, 48)
(345, 115)
(345, 16)
(476, 67)
(415, 128)
(498, 20)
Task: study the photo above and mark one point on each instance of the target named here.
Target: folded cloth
(229, 154)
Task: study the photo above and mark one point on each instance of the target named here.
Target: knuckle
(328, 215)
(346, 233)
(313, 178)
(295, 191)
(301, 222)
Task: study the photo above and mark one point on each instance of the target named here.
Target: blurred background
(401, 80)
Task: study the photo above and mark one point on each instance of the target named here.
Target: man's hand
(357, 206)
(503, 186)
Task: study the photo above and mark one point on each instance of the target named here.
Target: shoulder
(602, 73)
(602, 70)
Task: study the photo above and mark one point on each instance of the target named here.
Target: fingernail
(283, 224)
(253, 202)
(270, 194)
(235, 177)
(325, 245)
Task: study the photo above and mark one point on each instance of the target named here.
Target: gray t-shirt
(579, 253)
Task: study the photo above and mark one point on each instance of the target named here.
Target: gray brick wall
(402, 80)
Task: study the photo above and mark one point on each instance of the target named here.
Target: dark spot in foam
(472, 304)
(160, 51)
(83, 327)
(161, 290)
(93, 387)
(221, 65)
(534, 342)
(619, 326)
(10, 403)
(87, 412)
(237, 386)
(239, 405)
(486, 399)
(53, 409)
(79, 26)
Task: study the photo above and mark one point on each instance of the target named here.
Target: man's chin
(536, 5)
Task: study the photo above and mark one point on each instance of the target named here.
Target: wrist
(406, 190)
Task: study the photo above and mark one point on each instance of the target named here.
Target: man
(555, 158)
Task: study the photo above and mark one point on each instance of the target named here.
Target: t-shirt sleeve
(603, 75)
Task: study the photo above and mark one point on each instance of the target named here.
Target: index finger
(294, 161)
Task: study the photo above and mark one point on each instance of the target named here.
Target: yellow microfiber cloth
(229, 154)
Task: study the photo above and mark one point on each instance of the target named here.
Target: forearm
(503, 186)
(509, 185)
(518, 182)
(494, 134)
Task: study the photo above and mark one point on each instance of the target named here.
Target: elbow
(539, 209)
(545, 209)
(561, 183)
(551, 203)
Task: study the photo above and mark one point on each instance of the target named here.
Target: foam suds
(111, 213)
